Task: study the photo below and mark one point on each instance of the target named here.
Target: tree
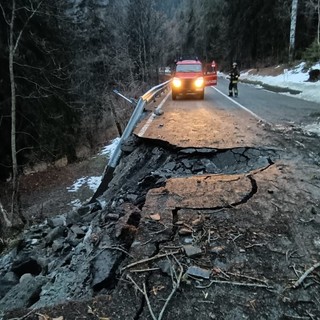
(38, 82)
(14, 41)
(314, 5)
(294, 10)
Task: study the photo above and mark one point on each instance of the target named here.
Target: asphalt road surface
(219, 121)
(271, 106)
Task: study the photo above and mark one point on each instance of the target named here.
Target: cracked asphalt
(211, 214)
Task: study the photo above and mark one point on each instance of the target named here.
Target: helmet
(234, 64)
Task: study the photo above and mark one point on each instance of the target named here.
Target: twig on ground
(144, 270)
(23, 317)
(160, 231)
(116, 248)
(176, 279)
(306, 221)
(255, 245)
(236, 237)
(310, 315)
(158, 256)
(144, 293)
(295, 317)
(305, 275)
(294, 269)
(245, 284)
(175, 285)
(247, 277)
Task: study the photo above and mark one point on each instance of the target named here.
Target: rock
(198, 272)
(169, 166)
(23, 295)
(25, 277)
(77, 230)
(187, 151)
(112, 216)
(185, 232)
(7, 281)
(165, 267)
(57, 244)
(314, 75)
(186, 163)
(217, 249)
(56, 233)
(192, 251)
(158, 112)
(56, 221)
(155, 217)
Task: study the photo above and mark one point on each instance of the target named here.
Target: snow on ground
(294, 78)
(94, 181)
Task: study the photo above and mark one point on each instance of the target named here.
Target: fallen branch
(144, 270)
(23, 317)
(175, 285)
(176, 280)
(245, 284)
(305, 275)
(158, 256)
(5, 216)
(247, 277)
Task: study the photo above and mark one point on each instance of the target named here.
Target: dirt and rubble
(246, 247)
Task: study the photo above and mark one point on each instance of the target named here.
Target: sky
(294, 78)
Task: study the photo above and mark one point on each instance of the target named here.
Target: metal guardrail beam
(116, 155)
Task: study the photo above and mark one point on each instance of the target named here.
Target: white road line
(152, 116)
(240, 105)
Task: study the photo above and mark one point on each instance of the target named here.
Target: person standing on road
(233, 77)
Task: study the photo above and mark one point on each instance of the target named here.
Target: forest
(60, 61)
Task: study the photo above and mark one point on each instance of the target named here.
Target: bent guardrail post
(124, 97)
(115, 157)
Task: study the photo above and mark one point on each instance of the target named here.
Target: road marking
(240, 105)
(152, 116)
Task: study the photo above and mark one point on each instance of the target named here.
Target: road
(271, 106)
(219, 121)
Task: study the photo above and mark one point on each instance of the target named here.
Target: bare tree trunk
(294, 9)
(13, 45)
(13, 105)
(318, 30)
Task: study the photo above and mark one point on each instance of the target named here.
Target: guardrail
(116, 155)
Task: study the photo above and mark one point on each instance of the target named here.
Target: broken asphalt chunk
(192, 251)
(198, 272)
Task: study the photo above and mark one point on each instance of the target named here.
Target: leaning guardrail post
(114, 159)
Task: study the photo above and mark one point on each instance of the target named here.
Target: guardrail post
(115, 157)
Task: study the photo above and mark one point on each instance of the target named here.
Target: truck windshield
(189, 68)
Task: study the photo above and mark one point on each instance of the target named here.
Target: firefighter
(233, 77)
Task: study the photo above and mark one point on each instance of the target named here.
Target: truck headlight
(176, 82)
(199, 82)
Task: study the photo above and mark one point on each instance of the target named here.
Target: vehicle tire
(174, 96)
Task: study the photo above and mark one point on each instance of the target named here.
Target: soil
(246, 252)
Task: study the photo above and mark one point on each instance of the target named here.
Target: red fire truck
(191, 77)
